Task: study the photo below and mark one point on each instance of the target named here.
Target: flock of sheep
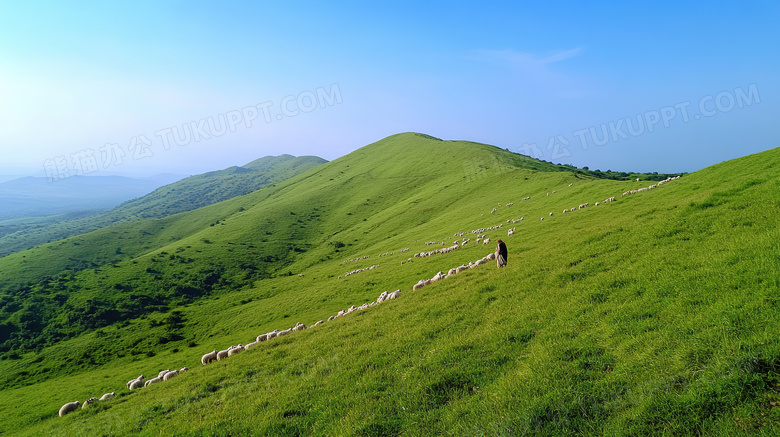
(453, 271)
(215, 355)
(629, 192)
(455, 246)
(73, 406)
(133, 384)
(360, 270)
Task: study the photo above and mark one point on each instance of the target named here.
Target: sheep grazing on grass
(183, 369)
(501, 254)
(235, 349)
(89, 401)
(170, 375)
(299, 327)
(129, 383)
(209, 357)
(162, 373)
(107, 396)
(318, 323)
(153, 381)
(394, 294)
(138, 383)
(69, 407)
(221, 355)
(251, 345)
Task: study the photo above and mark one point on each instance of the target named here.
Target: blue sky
(188, 87)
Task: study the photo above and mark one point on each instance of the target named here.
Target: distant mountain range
(36, 196)
(34, 211)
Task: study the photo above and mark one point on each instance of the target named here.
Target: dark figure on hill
(501, 254)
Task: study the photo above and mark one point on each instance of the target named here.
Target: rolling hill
(652, 314)
(184, 195)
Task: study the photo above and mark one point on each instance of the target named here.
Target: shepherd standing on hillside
(501, 254)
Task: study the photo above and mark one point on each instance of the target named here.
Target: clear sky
(141, 88)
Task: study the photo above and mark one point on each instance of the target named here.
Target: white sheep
(89, 401)
(221, 355)
(162, 373)
(153, 381)
(235, 349)
(139, 383)
(183, 369)
(251, 345)
(107, 396)
(209, 357)
(318, 323)
(141, 377)
(394, 294)
(70, 406)
(170, 375)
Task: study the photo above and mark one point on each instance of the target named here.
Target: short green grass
(653, 315)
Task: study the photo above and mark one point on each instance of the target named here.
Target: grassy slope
(654, 314)
(185, 195)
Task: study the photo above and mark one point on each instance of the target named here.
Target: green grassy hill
(185, 195)
(653, 314)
